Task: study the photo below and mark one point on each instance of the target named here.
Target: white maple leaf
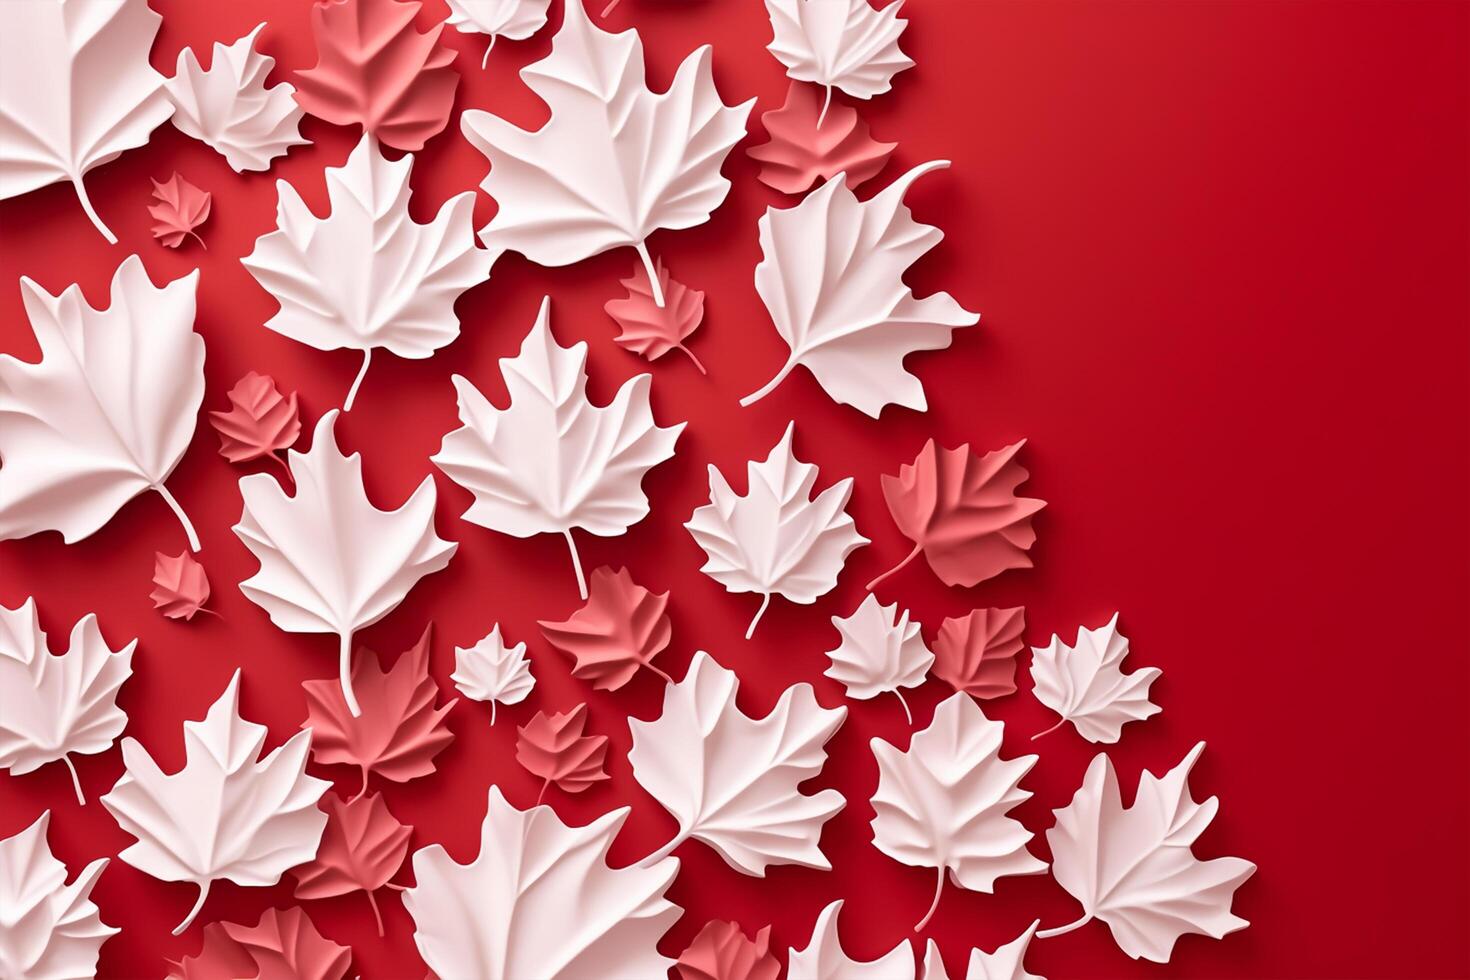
(513, 19)
(1134, 868)
(367, 275)
(52, 707)
(846, 44)
(540, 901)
(880, 651)
(823, 958)
(76, 90)
(614, 162)
(831, 277)
(107, 412)
(553, 461)
(731, 781)
(945, 803)
(491, 671)
(1006, 963)
(776, 538)
(49, 930)
(331, 562)
(227, 813)
(1085, 683)
(229, 107)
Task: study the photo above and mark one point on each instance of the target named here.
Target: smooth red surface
(1220, 251)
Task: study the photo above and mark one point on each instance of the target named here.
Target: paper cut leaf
(645, 327)
(553, 749)
(1085, 683)
(49, 930)
(284, 945)
(880, 651)
(721, 951)
(1006, 963)
(976, 653)
(491, 671)
(180, 587)
(180, 210)
(362, 848)
(261, 424)
(846, 44)
(513, 19)
(823, 958)
(622, 627)
(801, 153)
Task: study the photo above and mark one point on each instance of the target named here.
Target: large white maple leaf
(823, 958)
(846, 44)
(49, 930)
(731, 781)
(107, 412)
(228, 106)
(553, 461)
(227, 813)
(1085, 683)
(831, 277)
(945, 802)
(776, 538)
(513, 19)
(367, 275)
(1134, 868)
(614, 162)
(52, 707)
(76, 90)
(540, 901)
(880, 651)
(1006, 963)
(331, 562)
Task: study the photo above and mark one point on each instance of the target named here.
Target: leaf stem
(1053, 728)
(367, 359)
(362, 790)
(907, 714)
(609, 8)
(483, 62)
(81, 189)
(938, 888)
(826, 104)
(697, 362)
(198, 904)
(660, 672)
(285, 468)
(344, 673)
(493, 705)
(664, 851)
(653, 284)
(769, 386)
(76, 780)
(907, 558)
(173, 504)
(576, 564)
(1062, 930)
(377, 915)
(765, 601)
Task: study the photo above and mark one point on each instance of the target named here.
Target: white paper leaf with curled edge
(615, 162)
(831, 277)
(491, 671)
(512, 19)
(945, 803)
(823, 958)
(539, 900)
(53, 707)
(229, 108)
(1006, 963)
(1085, 683)
(76, 90)
(880, 651)
(331, 562)
(367, 275)
(107, 412)
(227, 813)
(846, 44)
(49, 930)
(553, 461)
(776, 539)
(1135, 868)
(731, 781)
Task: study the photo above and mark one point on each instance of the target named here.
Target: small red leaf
(374, 68)
(399, 731)
(284, 945)
(721, 951)
(622, 627)
(652, 330)
(976, 654)
(180, 587)
(262, 423)
(799, 154)
(362, 847)
(181, 209)
(555, 749)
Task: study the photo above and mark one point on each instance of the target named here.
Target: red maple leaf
(262, 423)
(652, 330)
(399, 731)
(180, 587)
(800, 153)
(962, 512)
(284, 945)
(374, 68)
(622, 627)
(181, 208)
(721, 951)
(554, 748)
(976, 654)
(362, 847)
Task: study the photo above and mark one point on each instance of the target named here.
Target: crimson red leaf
(722, 952)
(362, 847)
(652, 330)
(622, 627)
(976, 654)
(284, 945)
(800, 154)
(262, 423)
(181, 209)
(554, 748)
(180, 587)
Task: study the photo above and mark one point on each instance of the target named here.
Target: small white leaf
(824, 959)
(1085, 683)
(846, 44)
(880, 652)
(513, 19)
(1006, 963)
(491, 671)
(49, 930)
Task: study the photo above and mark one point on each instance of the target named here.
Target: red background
(1220, 253)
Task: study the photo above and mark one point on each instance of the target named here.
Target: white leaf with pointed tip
(1134, 868)
(331, 562)
(1085, 683)
(513, 19)
(831, 277)
(49, 930)
(846, 44)
(539, 900)
(1006, 963)
(229, 107)
(614, 162)
(76, 90)
(227, 813)
(53, 707)
(731, 781)
(945, 802)
(776, 539)
(108, 411)
(491, 671)
(880, 651)
(367, 275)
(553, 461)
(823, 958)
